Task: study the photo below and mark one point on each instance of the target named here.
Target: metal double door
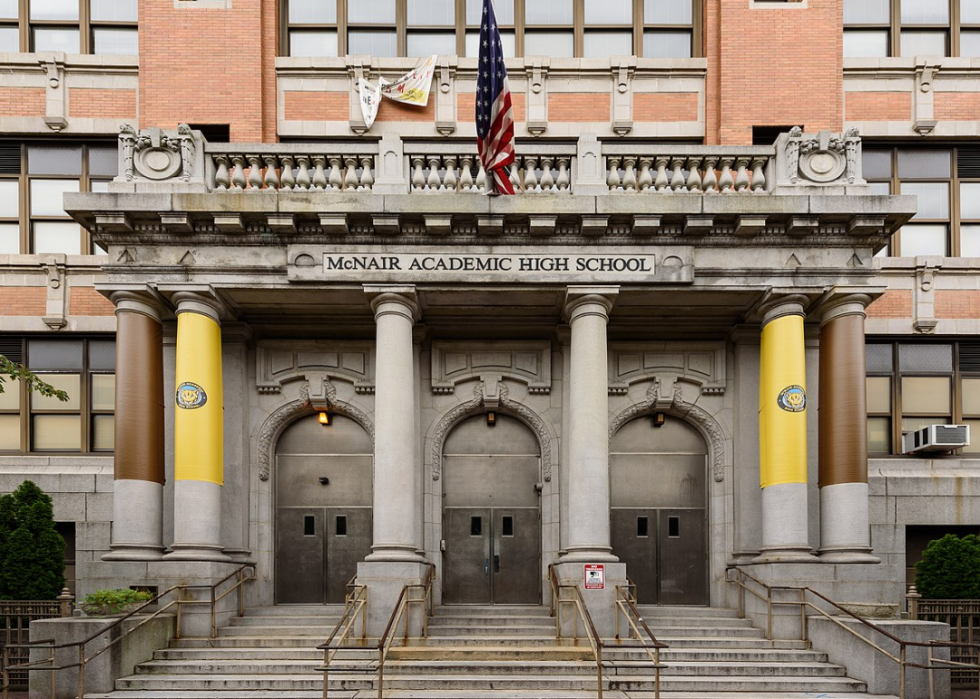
(318, 551)
(492, 555)
(664, 552)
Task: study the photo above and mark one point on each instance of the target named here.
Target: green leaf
(31, 381)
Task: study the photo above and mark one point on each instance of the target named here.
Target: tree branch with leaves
(32, 382)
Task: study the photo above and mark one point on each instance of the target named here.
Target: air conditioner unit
(936, 438)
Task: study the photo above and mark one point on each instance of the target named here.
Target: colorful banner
(370, 100)
(198, 416)
(782, 403)
(414, 87)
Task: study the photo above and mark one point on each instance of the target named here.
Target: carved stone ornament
(285, 415)
(154, 155)
(823, 158)
(506, 406)
(665, 397)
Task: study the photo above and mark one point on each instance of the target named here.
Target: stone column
(845, 532)
(137, 520)
(396, 507)
(587, 456)
(198, 430)
(782, 434)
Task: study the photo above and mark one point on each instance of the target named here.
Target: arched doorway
(659, 517)
(491, 521)
(324, 495)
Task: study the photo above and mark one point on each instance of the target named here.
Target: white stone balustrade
(435, 173)
(263, 167)
(690, 169)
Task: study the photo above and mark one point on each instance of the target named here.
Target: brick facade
(22, 300)
(957, 106)
(956, 304)
(874, 106)
(86, 301)
(96, 102)
(317, 106)
(21, 101)
(893, 304)
(665, 106)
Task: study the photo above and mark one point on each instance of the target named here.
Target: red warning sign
(595, 576)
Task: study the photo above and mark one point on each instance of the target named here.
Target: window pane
(114, 10)
(970, 244)
(878, 358)
(667, 44)
(115, 42)
(876, 187)
(970, 44)
(554, 44)
(667, 12)
(54, 160)
(925, 11)
(876, 164)
(547, 12)
(307, 44)
(99, 186)
(102, 161)
(923, 240)
(426, 43)
(925, 394)
(103, 392)
(103, 433)
(52, 236)
(969, 11)
(974, 447)
(933, 198)
(70, 383)
(866, 12)
(879, 435)
(910, 424)
(10, 398)
(922, 164)
(56, 40)
(9, 239)
(432, 12)
(54, 9)
(52, 355)
(872, 44)
(102, 355)
(601, 44)
(372, 43)
(371, 11)
(970, 200)
(57, 432)
(503, 9)
(971, 398)
(9, 40)
(47, 196)
(922, 359)
(9, 199)
(9, 9)
(508, 39)
(9, 432)
(879, 394)
(923, 43)
(608, 12)
(312, 12)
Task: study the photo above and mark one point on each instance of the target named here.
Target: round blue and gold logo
(792, 399)
(190, 396)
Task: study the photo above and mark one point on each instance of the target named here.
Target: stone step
(282, 620)
(322, 631)
(475, 694)
(695, 622)
(495, 610)
(493, 630)
(650, 610)
(297, 610)
(471, 621)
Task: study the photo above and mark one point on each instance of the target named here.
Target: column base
(855, 554)
(134, 552)
(785, 554)
(601, 603)
(197, 552)
(394, 553)
(588, 554)
(384, 581)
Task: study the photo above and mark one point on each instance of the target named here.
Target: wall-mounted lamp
(324, 480)
(659, 419)
(491, 418)
(324, 418)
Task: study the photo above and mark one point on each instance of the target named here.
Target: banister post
(912, 602)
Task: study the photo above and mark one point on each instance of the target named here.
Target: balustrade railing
(690, 169)
(549, 173)
(291, 170)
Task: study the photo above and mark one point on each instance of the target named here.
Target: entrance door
(491, 522)
(658, 515)
(323, 509)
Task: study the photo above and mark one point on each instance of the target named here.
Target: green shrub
(950, 568)
(113, 601)
(32, 552)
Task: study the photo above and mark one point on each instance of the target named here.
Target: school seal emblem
(792, 399)
(190, 396)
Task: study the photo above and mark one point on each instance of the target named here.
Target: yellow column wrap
(198, 428)
(782, 403)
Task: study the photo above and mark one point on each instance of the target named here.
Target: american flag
(494, 113)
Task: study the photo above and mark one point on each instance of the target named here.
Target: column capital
(846, 301)
(780, 305)
(204, 303)
(144, 302)
(391, 298)
(589, 300)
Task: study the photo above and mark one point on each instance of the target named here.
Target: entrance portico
(572, 315)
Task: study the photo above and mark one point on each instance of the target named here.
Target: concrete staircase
(484, 653)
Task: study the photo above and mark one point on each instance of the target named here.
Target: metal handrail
(626, 602)
(577, 601)
(932, 663)
(50, 662)
(356, 604)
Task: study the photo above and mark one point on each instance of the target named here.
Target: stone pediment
(279, 363)
(699, 363)
(457, 362)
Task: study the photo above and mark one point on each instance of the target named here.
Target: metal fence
(963, 617)
(15, 622)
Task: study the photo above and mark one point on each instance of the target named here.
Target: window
(33, 180)
(911, 385)
(558, 28)
(85, 369)
(72, 26)
(946, 182)
(874, 28)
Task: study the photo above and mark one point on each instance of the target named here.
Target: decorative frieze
(455, 363)
(279, 363)
(700, 364)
